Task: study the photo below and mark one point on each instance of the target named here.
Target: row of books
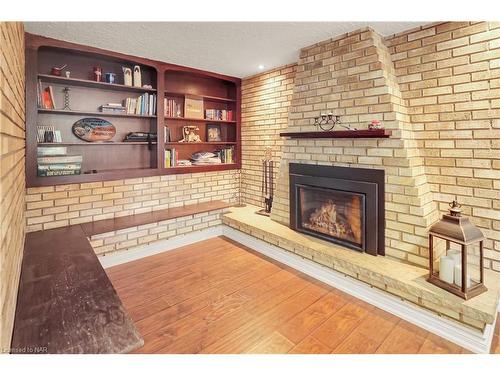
(144, 105)
(171, 157)
(226, 155)
(45, 97)
(53, 161)
(219, 114)
(171, 108)
(48, 134)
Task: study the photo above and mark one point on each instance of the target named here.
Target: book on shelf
(59, 159)
(171, 157)
(45, 98)
(171, 108)
(166, 134)
(193, 107)
(113, 108)
(59, 172)
(51, 151)
(144, 105)
(219, 114)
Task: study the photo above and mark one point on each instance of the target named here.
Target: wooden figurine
(137, 76)
(127, 76)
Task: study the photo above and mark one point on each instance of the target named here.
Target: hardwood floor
(217, 296)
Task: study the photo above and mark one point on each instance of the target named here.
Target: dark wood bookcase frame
(167, 79)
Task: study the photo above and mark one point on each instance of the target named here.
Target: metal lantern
(454, 274)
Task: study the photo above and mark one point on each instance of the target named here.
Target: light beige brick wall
(453, 97)
(436, 88)
(264, 113)
(125, 239)
(63, 205)
(12, 186)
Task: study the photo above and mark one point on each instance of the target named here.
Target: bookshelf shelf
(89, 113)
(198, 143)
(55, 144)
(199, 120)
(91, 84)
(131, 159)
(205, 97)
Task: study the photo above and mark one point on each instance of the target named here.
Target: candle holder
(454, 272)
(327, 122)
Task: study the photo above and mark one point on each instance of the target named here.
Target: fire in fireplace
(341, 205)
(333, 213)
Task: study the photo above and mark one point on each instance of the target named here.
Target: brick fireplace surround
(436, 87)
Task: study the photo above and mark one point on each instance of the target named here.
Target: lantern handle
(455, 208)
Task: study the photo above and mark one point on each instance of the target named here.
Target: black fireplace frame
(370, 182)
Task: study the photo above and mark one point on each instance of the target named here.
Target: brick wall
(450, 80)
(264, 113)
(62, 205)
(12, 186)
(436, 88)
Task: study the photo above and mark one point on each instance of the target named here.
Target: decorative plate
(94, 129)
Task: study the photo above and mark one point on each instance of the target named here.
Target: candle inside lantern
(458, 276)
(456, 255)
(446, 269)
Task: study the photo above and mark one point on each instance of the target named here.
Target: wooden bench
(66, 303)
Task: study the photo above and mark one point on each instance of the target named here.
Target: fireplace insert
(338, 204)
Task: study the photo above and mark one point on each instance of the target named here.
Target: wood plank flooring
(217, 296)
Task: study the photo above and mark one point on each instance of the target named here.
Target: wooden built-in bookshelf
(105, 160)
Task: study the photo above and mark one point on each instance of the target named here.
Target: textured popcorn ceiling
(232, 48)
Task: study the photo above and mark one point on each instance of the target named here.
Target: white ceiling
(232, 48)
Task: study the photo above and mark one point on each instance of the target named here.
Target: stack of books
(219, 114)
(53, 161)
(144, 105)
(113, 108)
(171, 108)
(45, 97)
(226, 155)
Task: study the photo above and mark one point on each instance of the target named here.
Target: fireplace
(340, 205)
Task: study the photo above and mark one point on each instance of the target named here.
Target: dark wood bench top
(66, 303)
(109, 225)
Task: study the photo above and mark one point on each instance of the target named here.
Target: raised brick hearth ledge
(400, 279)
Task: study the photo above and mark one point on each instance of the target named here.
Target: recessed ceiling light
(261, 66)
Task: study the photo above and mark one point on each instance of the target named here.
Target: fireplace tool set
(267, 182)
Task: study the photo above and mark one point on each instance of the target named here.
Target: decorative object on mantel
(93, 129)
(327, 122)
(454, 274)
(374, 125)
(267, 182)
(376, 133)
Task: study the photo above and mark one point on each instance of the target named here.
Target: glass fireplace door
(332, 214)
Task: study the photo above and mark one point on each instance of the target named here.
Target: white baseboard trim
(455, 332)
(159, 246)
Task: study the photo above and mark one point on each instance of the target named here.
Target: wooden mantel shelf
(377, 133)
